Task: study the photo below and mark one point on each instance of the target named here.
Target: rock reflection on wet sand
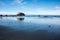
(21, 19)
(10, 34)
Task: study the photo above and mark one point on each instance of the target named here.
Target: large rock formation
(20, 14)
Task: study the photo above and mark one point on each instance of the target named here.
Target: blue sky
(30, 7)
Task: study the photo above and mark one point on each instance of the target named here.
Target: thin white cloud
(20, 2)
(57, 7)
(7, 13)
(3, 12)
(35, 12)
(48, 12)
(43, 12)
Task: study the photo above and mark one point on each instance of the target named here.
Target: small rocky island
(20, 14)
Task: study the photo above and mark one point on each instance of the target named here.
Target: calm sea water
(32, 24)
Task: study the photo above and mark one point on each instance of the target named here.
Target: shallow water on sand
(33, 28)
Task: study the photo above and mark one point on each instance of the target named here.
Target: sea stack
(20, 14)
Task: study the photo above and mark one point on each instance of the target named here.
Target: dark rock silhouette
(1, 15)
(20, 14)
(38, 15)
(49, 26)
(45, 16)
(6, 15)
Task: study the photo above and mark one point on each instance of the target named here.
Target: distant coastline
(23, 14)
(31, 15)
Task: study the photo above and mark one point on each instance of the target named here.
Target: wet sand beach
(9, 34)
(29, 29)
